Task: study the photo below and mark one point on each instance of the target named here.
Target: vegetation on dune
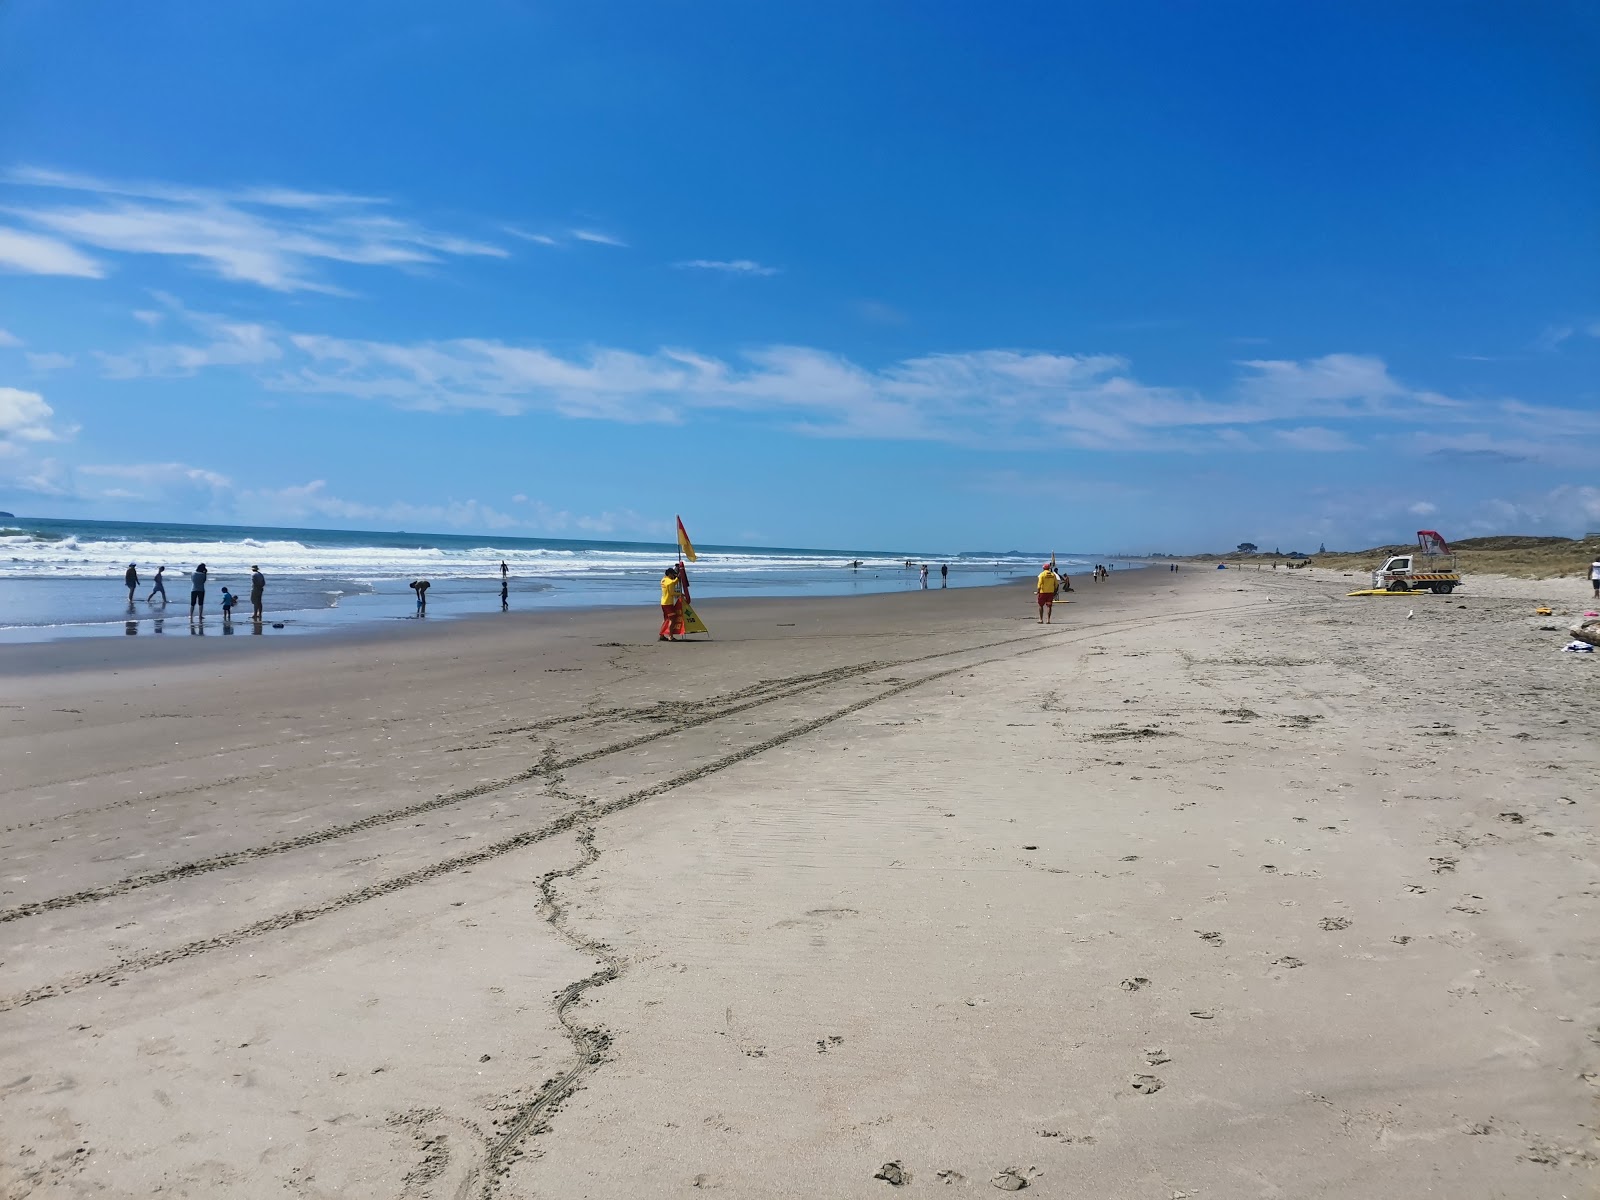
(1519, 555)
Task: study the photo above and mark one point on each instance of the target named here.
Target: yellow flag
(691, 621)
(685, 546)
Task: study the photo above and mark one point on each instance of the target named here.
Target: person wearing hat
(131, 578)
(258, 585)
(671, 600)
(1046, 591)
(1594, 576)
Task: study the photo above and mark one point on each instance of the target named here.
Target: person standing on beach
(160, 586)
(1594, 577)
(258, 587)
(923, 575)
(504, 570)
(944, 575)
(197, 592)
(671, 601)
(1046, 593)
(505, 594)
(131, 578)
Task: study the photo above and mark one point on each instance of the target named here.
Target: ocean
(63, 578)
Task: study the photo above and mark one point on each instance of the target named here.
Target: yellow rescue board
(1386, 592)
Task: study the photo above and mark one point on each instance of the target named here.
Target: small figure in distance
(671, 598)
(421, 586)
(197, 592)
(228, 601)
(1594, 576)
(505, 593)
(131, 578)
(923, 575)
(944, 575)
(160, 585)
(504, 570)
(1046, 593)
(258, 587)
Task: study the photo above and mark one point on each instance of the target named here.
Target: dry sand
(1222, 886)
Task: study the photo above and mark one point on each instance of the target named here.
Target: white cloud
(598, 238)
(542, 239)
(49, 361)
(36, 254)
(988, 398)
(224, 343)
(313, 501)
(25, 417)
(1423, 509)
(277, 238)
(9, 339)
(1313, 437)
(738, 266)
(145, 478)
(149, 316)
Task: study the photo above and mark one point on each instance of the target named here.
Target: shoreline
(1180, 887)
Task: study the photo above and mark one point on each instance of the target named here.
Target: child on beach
(228, 601)
(160, 586)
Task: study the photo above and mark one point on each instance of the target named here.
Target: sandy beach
(1222, 885)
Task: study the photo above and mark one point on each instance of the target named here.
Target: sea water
(61, 578)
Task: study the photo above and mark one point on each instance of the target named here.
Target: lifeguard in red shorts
(1049, 581)
(671, 605)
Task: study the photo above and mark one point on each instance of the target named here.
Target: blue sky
(933, 275)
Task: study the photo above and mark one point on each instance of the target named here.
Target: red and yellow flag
(685, 546)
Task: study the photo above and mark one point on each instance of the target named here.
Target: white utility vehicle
(1431, 567)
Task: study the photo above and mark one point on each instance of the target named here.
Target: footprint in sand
(1443, 866)
(1145, 1085)
(1010, 1180)
(1155, 1056)
(1288, 962)
(828, 1043)
(1332, 923)
(1210, 935)
(893, 1174)
(1135, 983)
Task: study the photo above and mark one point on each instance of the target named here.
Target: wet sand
(1223, 885)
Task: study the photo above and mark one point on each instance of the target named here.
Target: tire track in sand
(542, 768)
(567, 822)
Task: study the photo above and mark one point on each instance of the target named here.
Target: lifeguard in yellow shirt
(671, 601)
(1048, 583)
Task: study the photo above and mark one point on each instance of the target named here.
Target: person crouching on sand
(1046, 591)
(671, 601)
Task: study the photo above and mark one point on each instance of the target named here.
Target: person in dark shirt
(258, 586)
(421, 586)
(131, 578)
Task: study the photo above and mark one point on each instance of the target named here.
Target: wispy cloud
(9, 340)
(598, 238)
(49, 361)
(737, 266)
(36, 254)
(542, 239)
(222, 343)
(277, 238)
(982, 398)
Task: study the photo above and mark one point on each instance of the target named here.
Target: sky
(928, 275)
